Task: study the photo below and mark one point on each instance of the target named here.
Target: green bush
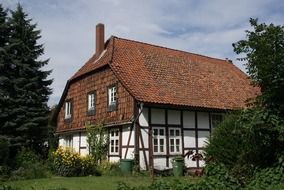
(29, 166)
(217, 176)
(67, 162)
(109, 168)
(5, 172)
(245, 141)
(269, 178)
(4, 150)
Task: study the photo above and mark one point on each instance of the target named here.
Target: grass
(85, 183)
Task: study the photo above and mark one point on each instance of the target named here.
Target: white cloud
(204, 27)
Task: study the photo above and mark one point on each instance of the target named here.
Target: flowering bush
(109, 168)
(67, 162)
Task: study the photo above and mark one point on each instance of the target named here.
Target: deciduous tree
(264, 50)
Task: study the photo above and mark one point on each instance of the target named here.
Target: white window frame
(213, 123)
(112, 92)
(68, 110)
(175, 140)
(114, 142)
(91, 101)
(157, 139)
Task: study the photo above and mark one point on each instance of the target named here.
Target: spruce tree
(27, 124)
(4, 85)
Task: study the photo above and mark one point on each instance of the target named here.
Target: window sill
(113, 154)
(111, 108)
(91, 112)
(68, 120)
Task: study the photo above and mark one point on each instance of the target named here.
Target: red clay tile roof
(96, 61)
(155, 74)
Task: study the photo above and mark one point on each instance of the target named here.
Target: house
(155, 102)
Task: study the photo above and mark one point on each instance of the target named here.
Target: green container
(126, 165)
(178, 166)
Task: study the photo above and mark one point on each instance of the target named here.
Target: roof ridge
(164, 47)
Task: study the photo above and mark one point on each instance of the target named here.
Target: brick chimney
(100, 38)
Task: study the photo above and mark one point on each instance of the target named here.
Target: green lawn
(85, 183)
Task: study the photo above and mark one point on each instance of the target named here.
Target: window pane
(116, 133)
(111, 149)
(177, 132)
(155, 132)
(172, 132)
(155, 148)
(112, 142)
(172, 141)
(177, 145)
(161, 148)
(116, 149)
(172, 148)
(177, 148)
(177, 141)
(155, 142)
(161, 145)
(161, 141)
(67, 109)
(162, 132)
(112, 133)
(116, 142)
(112, 95)
(216, 119)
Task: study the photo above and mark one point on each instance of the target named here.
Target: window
(68, 109)
(114, 141)
(69, 141)
(216, 119)
(91, 103)
(175, 140)
(159, 140)
(112, 98)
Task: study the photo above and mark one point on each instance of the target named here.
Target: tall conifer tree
(27, 124)
(4, 85)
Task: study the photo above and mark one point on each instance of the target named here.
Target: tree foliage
(23, 82)
(264, 50)
(97, 141)
(245, 141)
(250, 144)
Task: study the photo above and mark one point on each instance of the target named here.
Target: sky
(206, 27)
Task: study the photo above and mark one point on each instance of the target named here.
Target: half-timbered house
(155, 102)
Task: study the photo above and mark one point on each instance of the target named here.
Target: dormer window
(91, 103)
(112, 100)
(68, 110)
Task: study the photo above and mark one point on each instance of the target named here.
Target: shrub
(4, 172)
(109, 168)
(269, 178)
(29, 166)
(217, 176)
(4, 150)
(245, 141)
(67, 162)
